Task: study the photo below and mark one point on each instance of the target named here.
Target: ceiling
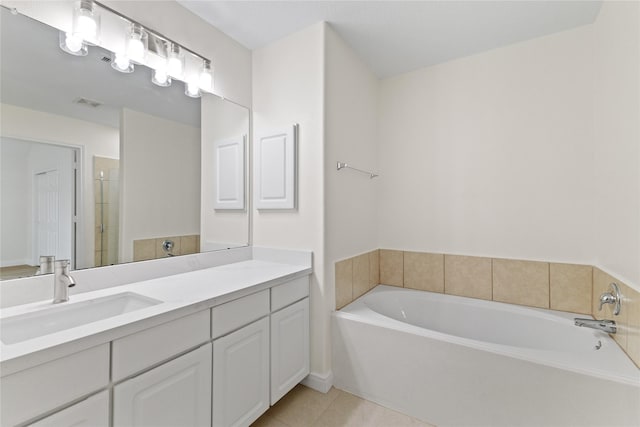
(35, 73)
(395, 37)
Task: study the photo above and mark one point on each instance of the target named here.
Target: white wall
(288, 88)
(492, 154)
(351, 97)
(223, 228)
(617, 141)
(94, 139)
(160, 196)
(15, 213)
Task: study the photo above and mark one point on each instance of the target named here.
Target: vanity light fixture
(130, 43)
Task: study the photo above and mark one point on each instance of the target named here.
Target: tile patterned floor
(304, 407)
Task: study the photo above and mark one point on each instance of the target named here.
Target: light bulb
(192, 88)
(73, 43)
(135, 51)
(161, 78)
(121, 63)
(85, 22)
(87, 27)
(206, 79)
(174, 62)
(136, 44)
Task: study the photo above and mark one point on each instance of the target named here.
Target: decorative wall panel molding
(275, 169)
(229, 160)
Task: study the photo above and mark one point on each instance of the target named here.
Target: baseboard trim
(319, 382)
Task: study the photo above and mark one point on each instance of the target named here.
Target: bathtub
(453, 361)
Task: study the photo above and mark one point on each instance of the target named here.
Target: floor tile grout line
(340, 392)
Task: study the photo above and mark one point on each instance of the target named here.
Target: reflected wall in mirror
(102, 167)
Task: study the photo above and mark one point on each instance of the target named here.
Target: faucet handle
(612, 297)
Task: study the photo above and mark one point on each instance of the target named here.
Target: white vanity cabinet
(256, 362)
(289, 348)
(241, 375)
(220, 366)
(32, 392)
(240, 332)
(177, 393)
(91, 412)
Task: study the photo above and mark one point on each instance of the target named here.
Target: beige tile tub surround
(570, 287)
(360, 275)
(356, 276)
(189, 245)
(344, 283)
(628, 321)
(566, 287)
(601, 284)
(391, 267)
(146, 249)
(468, 276)
(424, 271)
(521, 282)
(374, 268)
(175, 250)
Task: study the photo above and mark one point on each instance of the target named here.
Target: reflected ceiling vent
(87, 102)
(105, 59)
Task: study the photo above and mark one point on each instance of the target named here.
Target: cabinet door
(177, 393)
(289, 348)
(91, 412)
(241, 375)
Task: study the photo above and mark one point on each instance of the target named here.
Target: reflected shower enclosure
(106, 174)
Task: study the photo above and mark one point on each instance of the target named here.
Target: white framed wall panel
(275, 169)
(229, 161)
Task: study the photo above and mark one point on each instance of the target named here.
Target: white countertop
(181, 295)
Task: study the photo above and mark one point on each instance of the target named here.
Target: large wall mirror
(102, 167)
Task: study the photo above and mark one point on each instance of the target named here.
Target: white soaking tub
(456, 361)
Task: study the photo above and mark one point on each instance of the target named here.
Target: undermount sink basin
(63, 316)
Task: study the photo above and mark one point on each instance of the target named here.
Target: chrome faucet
(46, 264)
(612, 297)
(608, 326)
(62, 281)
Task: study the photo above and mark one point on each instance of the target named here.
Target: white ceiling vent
(87, 102)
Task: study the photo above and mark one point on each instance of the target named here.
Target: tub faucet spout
(608, 326)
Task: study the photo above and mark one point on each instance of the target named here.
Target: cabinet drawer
(141, 350)
(235, 314)
(34, 391)
(91, 412)
(288, 293)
